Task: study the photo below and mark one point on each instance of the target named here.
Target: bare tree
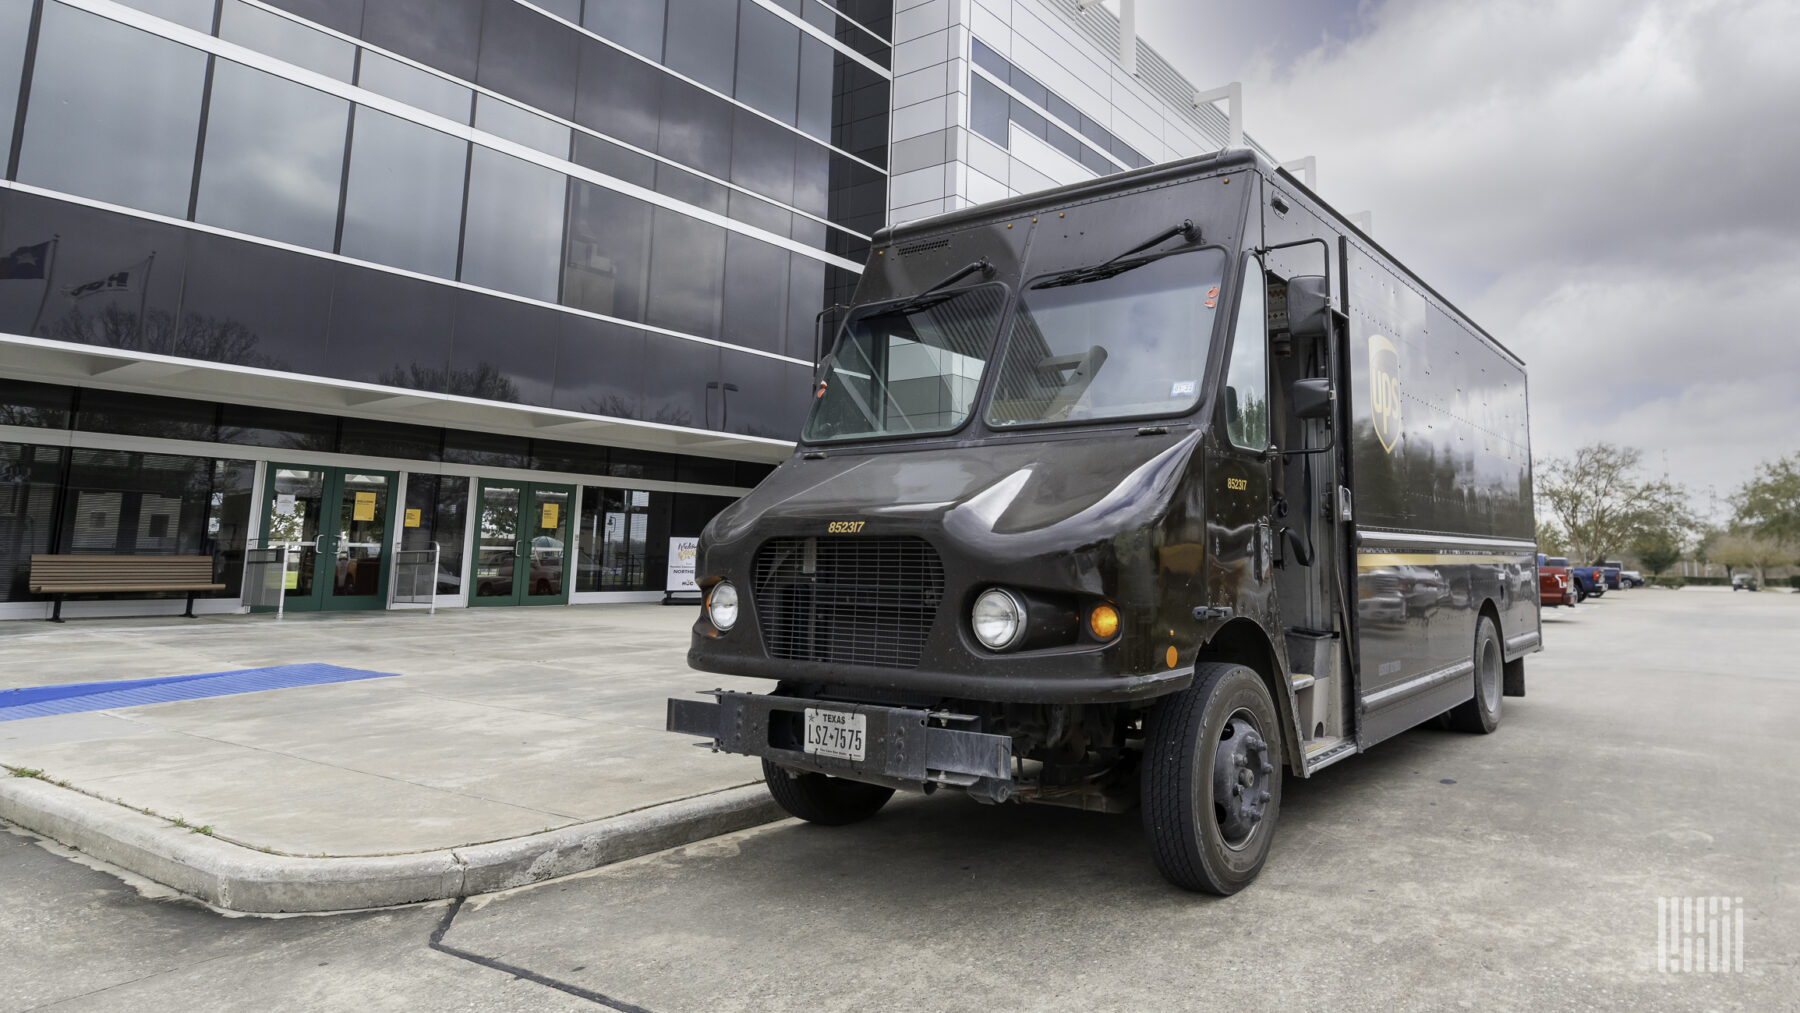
(1603, 504)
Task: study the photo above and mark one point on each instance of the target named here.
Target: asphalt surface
(1651, 759)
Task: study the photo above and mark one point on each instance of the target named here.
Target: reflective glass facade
(630, 209)
(657, 198)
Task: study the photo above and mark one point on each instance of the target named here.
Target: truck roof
(1165, 172)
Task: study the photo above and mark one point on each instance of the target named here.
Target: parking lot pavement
(1440, 871)
(1651, 759)
(500, 724)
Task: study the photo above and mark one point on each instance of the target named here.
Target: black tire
(1580, 595)
(1481, 714)
(1209, 828)
(828, 801)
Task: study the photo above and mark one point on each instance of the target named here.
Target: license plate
(836, 733)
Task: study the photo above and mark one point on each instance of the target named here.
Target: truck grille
(853, 601)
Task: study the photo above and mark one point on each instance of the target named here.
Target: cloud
(1606, 186)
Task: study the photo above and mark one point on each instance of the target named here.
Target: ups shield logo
(1384, 390)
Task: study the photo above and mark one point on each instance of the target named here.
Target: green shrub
(1794, 582)
(1709, 581)
(1672, 582)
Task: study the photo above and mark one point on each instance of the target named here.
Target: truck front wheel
(829, 801)
(1212, 780)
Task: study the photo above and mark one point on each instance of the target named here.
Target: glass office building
(532, 282)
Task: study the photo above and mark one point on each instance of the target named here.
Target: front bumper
(903, 747)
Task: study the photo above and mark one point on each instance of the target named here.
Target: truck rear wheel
(1212, 780)
(1481, 714)
(829, 801)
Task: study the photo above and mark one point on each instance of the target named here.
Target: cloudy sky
(1610, 187)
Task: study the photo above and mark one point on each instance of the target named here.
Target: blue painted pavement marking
(70, 698)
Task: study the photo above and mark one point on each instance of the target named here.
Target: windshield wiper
(923, 297)
(1119, 265)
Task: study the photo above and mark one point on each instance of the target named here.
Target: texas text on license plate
(836, 733)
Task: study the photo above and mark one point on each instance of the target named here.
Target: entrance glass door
(336, 524)
(521, 544)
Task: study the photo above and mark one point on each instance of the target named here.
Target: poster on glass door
(682, 553)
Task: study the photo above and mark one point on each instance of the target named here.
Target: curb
(236, 878)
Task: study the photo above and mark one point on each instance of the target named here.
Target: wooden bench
(66, 575)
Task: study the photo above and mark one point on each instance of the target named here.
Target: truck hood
(1058, 493)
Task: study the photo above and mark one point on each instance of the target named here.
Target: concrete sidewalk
(514, 745)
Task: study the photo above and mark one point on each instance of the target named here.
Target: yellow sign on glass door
(552, 515)
(365, 507)
(412, 516)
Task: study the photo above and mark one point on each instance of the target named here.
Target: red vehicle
(1555, 585)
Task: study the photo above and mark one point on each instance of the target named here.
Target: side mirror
(1308, 306)
(1312, 398)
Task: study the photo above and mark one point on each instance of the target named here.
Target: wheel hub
(1241, 770)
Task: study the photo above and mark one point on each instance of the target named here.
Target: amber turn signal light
(1103, 622)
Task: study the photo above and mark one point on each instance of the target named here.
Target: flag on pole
(25, 263)
(131, 279)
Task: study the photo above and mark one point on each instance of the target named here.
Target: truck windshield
(1097, 345)
(907, 368)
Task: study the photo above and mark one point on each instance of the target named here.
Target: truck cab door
(1238, 504)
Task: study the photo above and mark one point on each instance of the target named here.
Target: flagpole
(49, 279)
(144, 299)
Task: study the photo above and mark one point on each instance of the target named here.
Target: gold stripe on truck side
(1382, 560)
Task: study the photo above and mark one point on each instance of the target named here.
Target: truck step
(1300, 682)
(1322, 753)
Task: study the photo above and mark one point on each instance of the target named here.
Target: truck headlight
(722, 605)
(998, 619)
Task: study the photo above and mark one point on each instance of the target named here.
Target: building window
(15, 24)
(28, 483)
(195, 14)
(274, 158)
(114, 113)
(415, 87)
(687, 264)
(39, 405)
(635, 24)
(124, 503)
(609, 253)
(990, 108)
(702, 42)
(285, 39)
(619, 528)
(403, 205)
(768, 68)
(513, 238)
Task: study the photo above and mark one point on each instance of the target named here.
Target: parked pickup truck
(1631, 578)
(1611, 571)
(1554, 586)
(1590, 581)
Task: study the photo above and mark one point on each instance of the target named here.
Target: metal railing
(265, 578)
(414, 577)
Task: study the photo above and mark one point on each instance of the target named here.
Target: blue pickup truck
(1590, 581)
